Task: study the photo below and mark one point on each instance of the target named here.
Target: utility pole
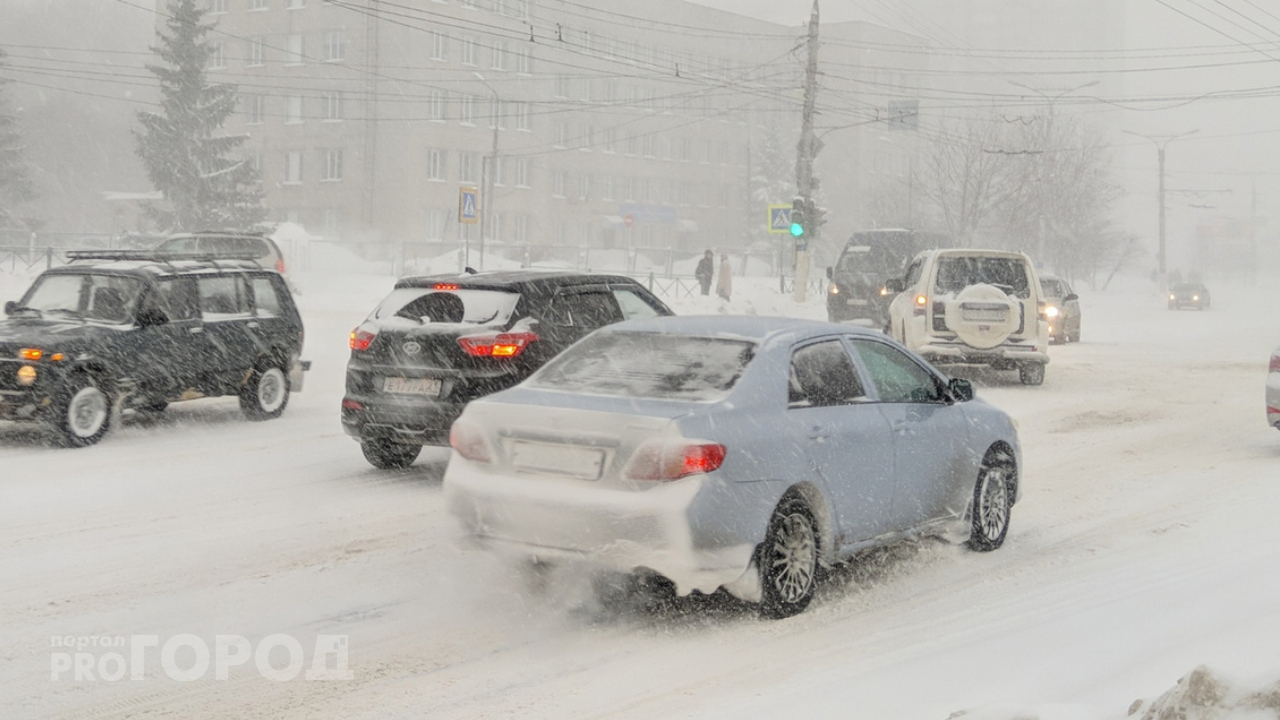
(489, 166)
(1161, 141)
(807, 150)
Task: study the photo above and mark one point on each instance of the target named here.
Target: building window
(253, 107)
(217, 7)
(498, 60)
(257, 52)
(217, 56)
(437, 220)
(686, 149)
(333, 110)
(495, 226)
(584, 186)
(496, 118)
(562, 86)
(294, 53)
(255, 161)
(523, 119)
(436, 105)
(334, 46)
(332, 166)
(606, 187)
(633, 145)
(647, 144)
(524, 61)
(522, 229)
(588, 139)
(467, 110)
(469, 51)
(435, 165)
(439, 46)
(558, 183)
(296, 4)
(257, 4)
(468, 167)
(293, 167)
(500, 170)
(293, 110)
(522, 173)
(611, 140)
(562, 135)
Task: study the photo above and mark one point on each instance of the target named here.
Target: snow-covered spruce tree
(16, 187)
(186, 156)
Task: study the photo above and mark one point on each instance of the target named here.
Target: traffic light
(798, 215)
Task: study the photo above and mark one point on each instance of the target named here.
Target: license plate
(855, 301)
(411, 386)
(984, 315)
(550, 459)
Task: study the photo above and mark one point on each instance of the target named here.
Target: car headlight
(26, 375)
(1195, 298)
(1172, 296)
(835, 290)
(1051, 311)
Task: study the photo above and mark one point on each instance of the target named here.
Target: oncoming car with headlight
(1189, 295)
(737, 452)
(1061, 309)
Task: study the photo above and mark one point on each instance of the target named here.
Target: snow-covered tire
(788, 560)
(1002, 316)
(1031, 373)
(266, 394)
(992, 505)
(388, 455)
(84, 415)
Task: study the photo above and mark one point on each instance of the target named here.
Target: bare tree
(969, 174)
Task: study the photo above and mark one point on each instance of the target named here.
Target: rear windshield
(1009, 274)
(648, 365)
(458, 307)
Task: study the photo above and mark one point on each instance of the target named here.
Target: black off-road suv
(436, 343)
(139, 330)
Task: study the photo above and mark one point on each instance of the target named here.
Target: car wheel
(992, 506)
(85, 414)
(1031, 373)
(388, 455)
(788, 560)
(266, 394)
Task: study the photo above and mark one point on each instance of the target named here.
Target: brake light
(659, 461)
(469, 442)
(361, 339)
(352, 404)
(445, 286)
(500, 345)
(280, 265)
(32, 354)
(1275, 363)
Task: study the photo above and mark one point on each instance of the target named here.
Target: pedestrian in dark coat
(706, 268)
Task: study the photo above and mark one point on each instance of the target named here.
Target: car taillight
(361, 339)
(280, 265)
(500, 345)
(469, 441)
(1275, 363)
(659, 461)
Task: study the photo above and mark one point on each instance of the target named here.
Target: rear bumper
(611, 528)
(413, 422)
(943, 352)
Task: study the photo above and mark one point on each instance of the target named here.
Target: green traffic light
(797, 229)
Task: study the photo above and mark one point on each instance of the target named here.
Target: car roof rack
(162, 257)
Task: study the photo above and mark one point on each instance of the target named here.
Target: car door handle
(195, 330)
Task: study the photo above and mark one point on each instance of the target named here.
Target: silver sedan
(744, 453)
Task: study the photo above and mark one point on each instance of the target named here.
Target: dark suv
(139, 330)
(436, 343)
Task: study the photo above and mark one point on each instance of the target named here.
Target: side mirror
(151, 317)
(828, 272)
(961, 390)
(1070, 297)
(894, 285)
(9, 307)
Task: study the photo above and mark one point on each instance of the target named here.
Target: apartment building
(601, 124)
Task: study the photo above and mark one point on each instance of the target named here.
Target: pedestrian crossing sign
(779, 218)
(468, 204)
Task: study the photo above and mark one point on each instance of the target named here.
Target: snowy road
(1146, 544)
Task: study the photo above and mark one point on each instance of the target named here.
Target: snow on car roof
(744, 327)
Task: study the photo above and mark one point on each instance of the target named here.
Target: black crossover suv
(139, 330)
(436, 343)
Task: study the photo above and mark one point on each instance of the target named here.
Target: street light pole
(489, 168)
(1161, 141)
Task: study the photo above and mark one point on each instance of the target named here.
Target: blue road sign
(468, 204)
(779, 218)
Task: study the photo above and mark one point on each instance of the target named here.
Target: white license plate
(411, 386)
(985, 315)
(550, 459)
(855, 301)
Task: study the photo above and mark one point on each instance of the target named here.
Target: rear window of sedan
(459, 307)
(648, 365)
